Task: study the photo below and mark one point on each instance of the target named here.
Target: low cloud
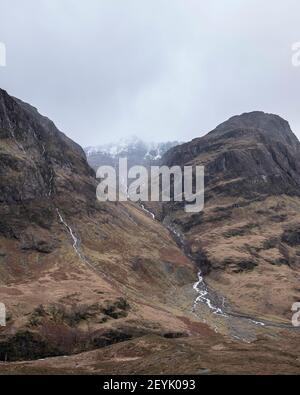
(161, 69)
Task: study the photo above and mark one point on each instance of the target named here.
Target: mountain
(76, 274)
(95, 288)
(247, 239)
(137, 151)
(41, 169)
(259, 149)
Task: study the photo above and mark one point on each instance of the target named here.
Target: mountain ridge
(251, 213)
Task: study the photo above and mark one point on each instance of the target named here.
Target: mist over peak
(135, 149)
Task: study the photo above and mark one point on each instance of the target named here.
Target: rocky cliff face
(76, 274)
(254, 154)
(41, 169)
(247, 235)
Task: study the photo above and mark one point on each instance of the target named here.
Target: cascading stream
(201, 288)
(148, 212)
(13, 136)
(76, 247)
(74, 238)
(203, 292)
(76, 244)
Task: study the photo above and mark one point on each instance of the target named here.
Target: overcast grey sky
(160, 69)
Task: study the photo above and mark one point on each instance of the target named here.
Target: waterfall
(74, 238)
(148, 212)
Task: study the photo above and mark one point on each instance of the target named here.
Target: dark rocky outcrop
(26, 345)
(291, 236)
(249, 155)
(41, 169)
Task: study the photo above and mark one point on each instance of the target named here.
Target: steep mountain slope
(40, 169)
(247, 238)
(76, 274)
(137, 151)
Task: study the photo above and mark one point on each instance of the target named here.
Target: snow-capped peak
(135, 149)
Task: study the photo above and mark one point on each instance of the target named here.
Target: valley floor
(223, 344)
(157, 355)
